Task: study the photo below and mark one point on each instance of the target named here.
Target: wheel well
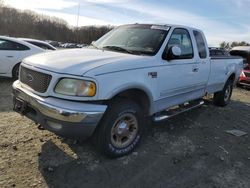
(16, 65)
(232, 77)
(136, 95)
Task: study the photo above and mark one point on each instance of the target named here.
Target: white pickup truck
(109, 89)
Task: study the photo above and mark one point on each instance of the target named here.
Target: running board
(177, 110)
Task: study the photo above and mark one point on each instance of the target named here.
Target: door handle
(195, 69)
(9, 56)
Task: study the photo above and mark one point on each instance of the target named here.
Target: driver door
(178, 79)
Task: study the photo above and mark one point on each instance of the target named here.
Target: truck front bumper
(65, 118)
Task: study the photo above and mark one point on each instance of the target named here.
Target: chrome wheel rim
(124, 130)
(227, 93)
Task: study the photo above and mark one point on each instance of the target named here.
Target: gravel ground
(190, 150)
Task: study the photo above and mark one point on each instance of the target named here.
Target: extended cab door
(202, 58)
(182, 78)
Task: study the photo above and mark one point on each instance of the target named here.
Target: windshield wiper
(93, 45)
(118, 48)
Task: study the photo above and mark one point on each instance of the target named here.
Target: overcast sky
(221, 20)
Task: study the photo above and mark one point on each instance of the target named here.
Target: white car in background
(39, 43)
(12, 52)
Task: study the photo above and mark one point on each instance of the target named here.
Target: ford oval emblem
(30, 77)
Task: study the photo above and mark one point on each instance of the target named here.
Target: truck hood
(76, 61)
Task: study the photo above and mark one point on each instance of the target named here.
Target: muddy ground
(190, 150)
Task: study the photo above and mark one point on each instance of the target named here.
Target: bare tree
(228, 45)
(1, 3)
(225, 45)
(32, 25)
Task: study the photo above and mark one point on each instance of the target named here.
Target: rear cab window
(201, 45)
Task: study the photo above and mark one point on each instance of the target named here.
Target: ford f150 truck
(111, 88)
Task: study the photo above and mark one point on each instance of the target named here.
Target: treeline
(28, 24)
(230, 45)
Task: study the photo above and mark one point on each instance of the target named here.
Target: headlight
(76, 87)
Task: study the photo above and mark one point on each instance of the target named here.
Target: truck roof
(163, 25)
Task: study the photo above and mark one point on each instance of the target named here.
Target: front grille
(36, 80)
(247, 74)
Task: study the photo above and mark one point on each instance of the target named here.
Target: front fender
(129, 86)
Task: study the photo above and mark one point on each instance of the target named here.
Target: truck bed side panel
(221, 70)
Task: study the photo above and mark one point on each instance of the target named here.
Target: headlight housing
(76, 87)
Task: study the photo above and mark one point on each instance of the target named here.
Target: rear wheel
(223, 97)
(15, 71)
(120, 130)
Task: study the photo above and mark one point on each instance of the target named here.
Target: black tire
(238, 85)
(105, 136)
(223, 97)
(15, 71)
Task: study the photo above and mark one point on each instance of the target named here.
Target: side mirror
(173, 53)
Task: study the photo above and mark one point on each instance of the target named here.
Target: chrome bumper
(63, 117)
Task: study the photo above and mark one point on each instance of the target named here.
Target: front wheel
(223, 97)
(120, 129)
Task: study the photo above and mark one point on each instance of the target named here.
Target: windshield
(134, 39)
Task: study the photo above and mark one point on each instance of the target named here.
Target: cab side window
(200, 45)
(9, 45)
(181, 38)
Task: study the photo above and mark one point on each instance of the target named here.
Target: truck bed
(221, 67)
